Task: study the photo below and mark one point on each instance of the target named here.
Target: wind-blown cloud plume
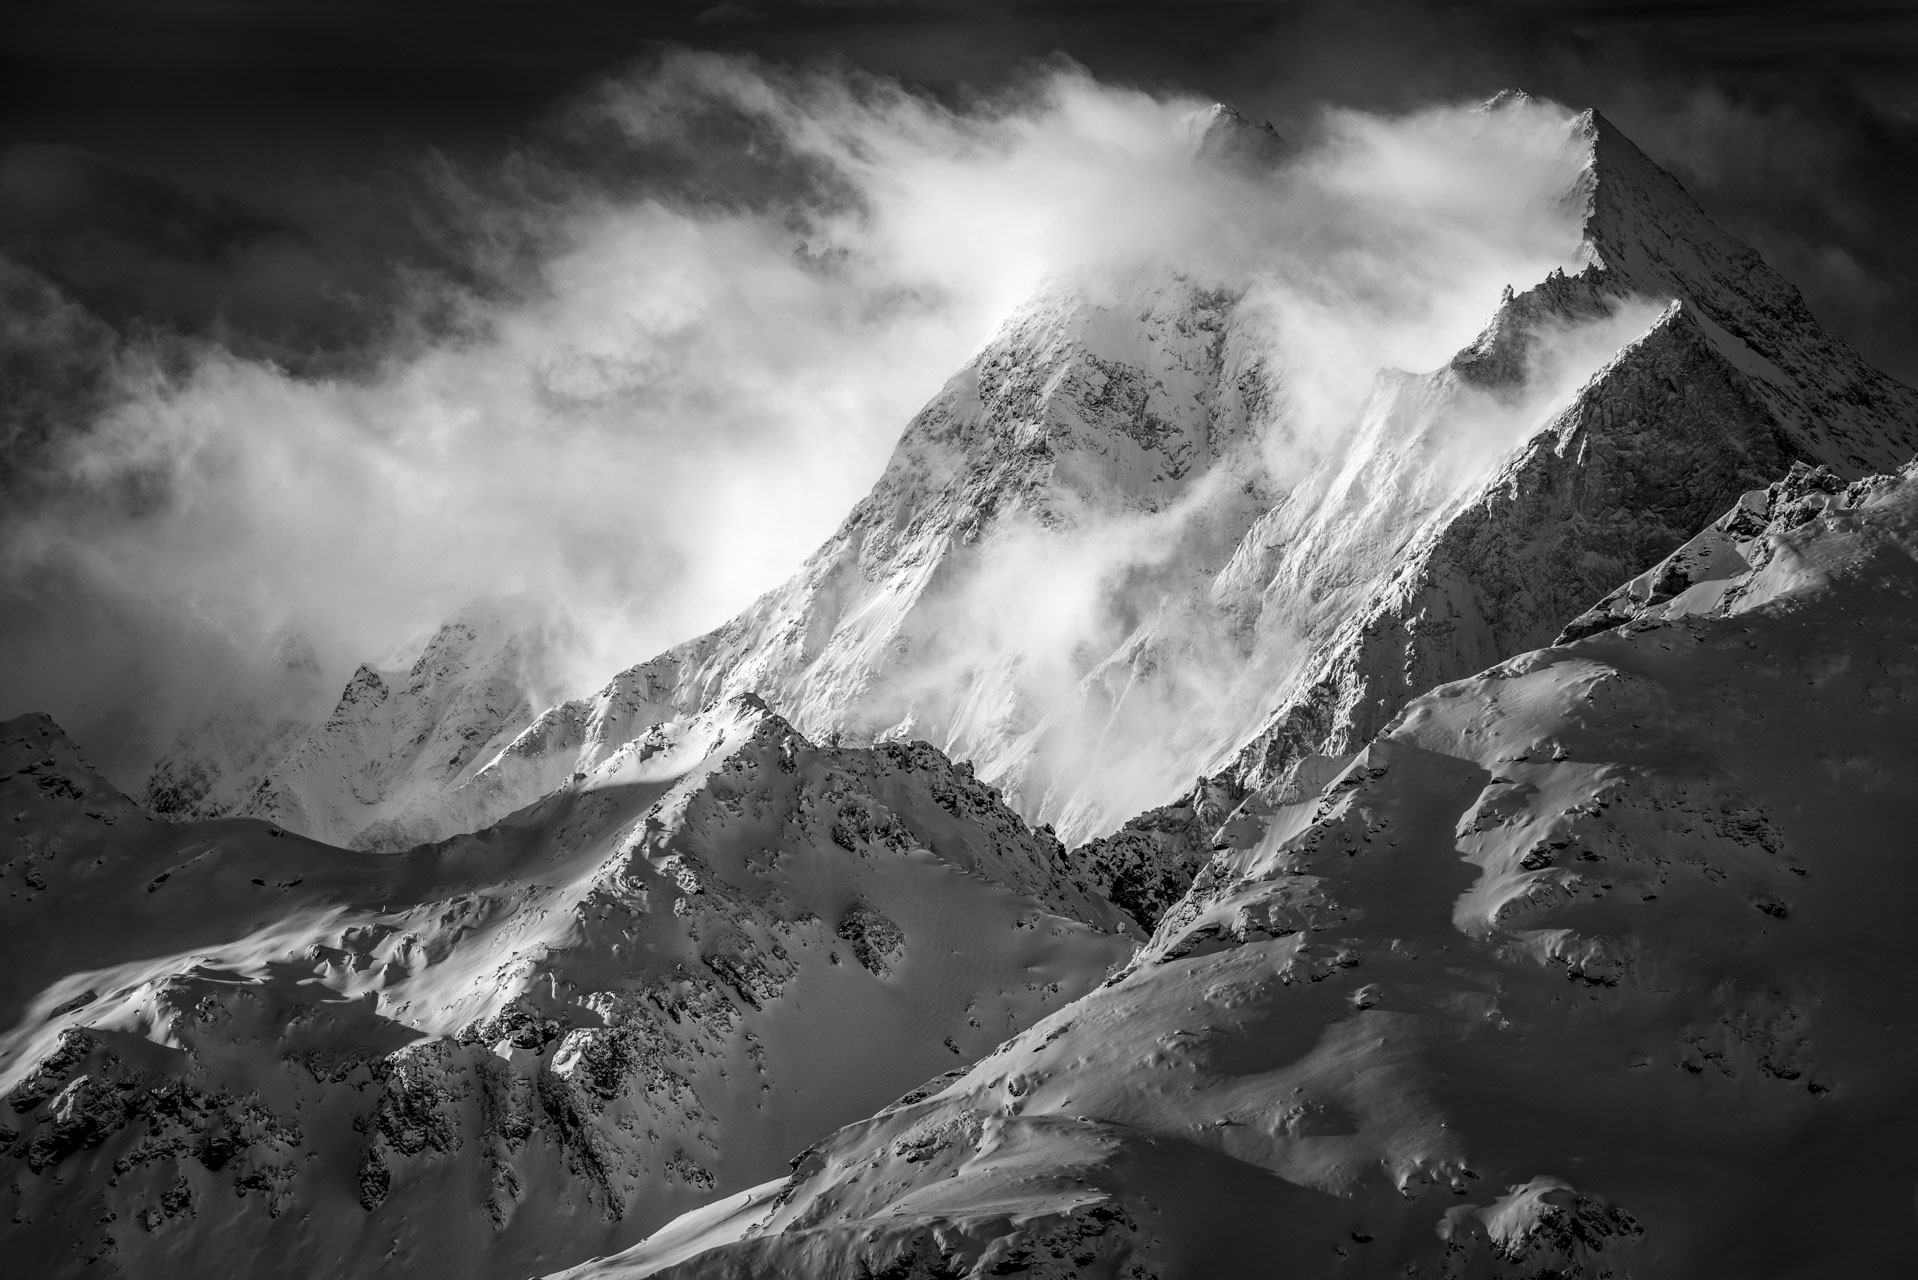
(716, 294)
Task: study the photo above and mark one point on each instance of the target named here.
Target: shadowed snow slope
(232, 1050)
(1103, 561)
(1595, 964)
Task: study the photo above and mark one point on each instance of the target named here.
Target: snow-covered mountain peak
(1082, 569)
(1220, 135)
(371, 772)
(1507, 99)
(1644, 234)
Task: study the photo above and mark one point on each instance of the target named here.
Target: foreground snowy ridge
(1594, 964)
(507, 1048)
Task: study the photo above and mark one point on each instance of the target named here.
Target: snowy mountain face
(1593, 964)
(235, 1049)
(384, 769)
(218, 767)
(1083, 570)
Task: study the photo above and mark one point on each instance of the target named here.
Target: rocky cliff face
(512, 1049)
(1584, 967)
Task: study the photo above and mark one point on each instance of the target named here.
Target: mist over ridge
(675, 386)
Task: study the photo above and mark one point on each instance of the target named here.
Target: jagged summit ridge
(1220, 135)
(1733, 382)
(1645, 233)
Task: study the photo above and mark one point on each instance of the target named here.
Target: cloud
(685, 368)
(1383, 243)
(683, 334)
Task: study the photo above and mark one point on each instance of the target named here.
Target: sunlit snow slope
(230, 1050)
(1596, 964)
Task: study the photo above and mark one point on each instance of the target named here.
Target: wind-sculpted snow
(234, 1050)
(1593, 964)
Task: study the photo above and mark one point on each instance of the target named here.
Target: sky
(1795, 123)
(320, 319)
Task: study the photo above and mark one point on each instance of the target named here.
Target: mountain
(384, 769)
(1732, 381)
(229, 1044)
(1105, 457)
(1454, 963)
(1593, 964)
(219, 765)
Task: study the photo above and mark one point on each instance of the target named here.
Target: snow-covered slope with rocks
(1745, 555)
(232, 1050)
(1594, 964)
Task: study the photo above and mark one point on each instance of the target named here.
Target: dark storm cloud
(131, 247)
(1792, 122)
